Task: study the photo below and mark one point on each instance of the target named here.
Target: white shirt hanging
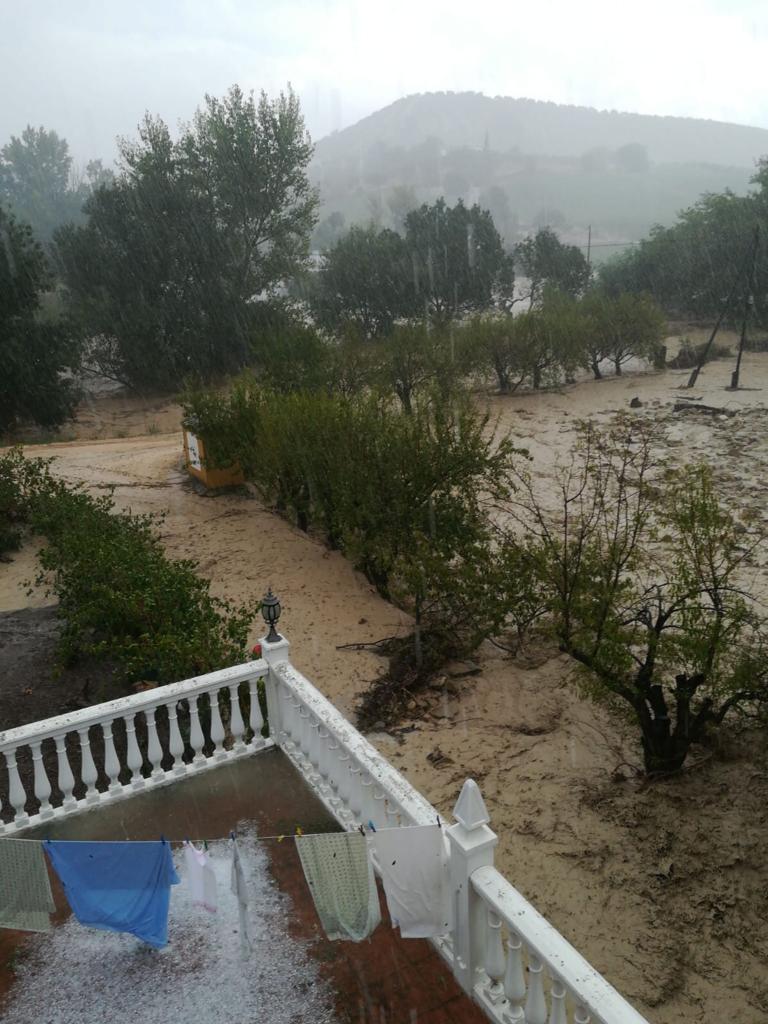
(201, 878)
(414, 872)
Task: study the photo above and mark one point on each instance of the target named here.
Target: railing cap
(470, 810)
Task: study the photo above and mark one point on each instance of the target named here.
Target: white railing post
(471, 847)
(275, 653)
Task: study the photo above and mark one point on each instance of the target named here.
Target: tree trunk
(536, 378)
(595, 366)
(664, 749)
(617, 364)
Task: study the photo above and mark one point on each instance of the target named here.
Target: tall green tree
(548, 263)
(36, 181)
(367, 281)
(168, 273)
(690, 268)
(35, 355)
(459, 261)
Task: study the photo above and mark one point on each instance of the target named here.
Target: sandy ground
(664, 888)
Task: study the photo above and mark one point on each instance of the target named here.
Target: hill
(530, 162)
(533, 126)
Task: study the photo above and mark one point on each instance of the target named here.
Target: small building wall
(197, 465)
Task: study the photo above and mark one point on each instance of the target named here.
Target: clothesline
(223, 839)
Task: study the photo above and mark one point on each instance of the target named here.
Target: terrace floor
(294, 974)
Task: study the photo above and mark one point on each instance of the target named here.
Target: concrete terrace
(294, 973)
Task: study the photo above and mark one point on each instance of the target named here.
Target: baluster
(304, 739)
(66, 778)
(366, 798)
(175, 741)
(557, 1014)
(196, 738)
(314, 751)
(236, 724)
(582, 1015)
(111, 761)
(88, 770)
(154, 750)
(217, 728)
(379, 811)
(256, 719)
(322, 756)
(297, 728)
(536, 1004)
(286, 717)
(355, 790)
(333, 769)
(494, 959)
(42, 783)
(16, 792)
(514, 981)
(345, 779)
(393, 814)
(133, 759)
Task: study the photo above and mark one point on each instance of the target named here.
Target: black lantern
(270, 609)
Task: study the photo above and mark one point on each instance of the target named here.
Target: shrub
(403, 495)
(689, 355)
(119, 595)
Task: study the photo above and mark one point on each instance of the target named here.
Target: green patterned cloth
(26, 902)
(339, 872)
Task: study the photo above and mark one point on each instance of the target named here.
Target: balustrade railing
(502, 951)
(514, 963)
(107, 751)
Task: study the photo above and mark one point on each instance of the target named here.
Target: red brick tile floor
(384, 980)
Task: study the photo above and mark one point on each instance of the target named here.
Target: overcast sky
(90, 68)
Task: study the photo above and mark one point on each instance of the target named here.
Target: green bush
(402, 494)
(119, 595)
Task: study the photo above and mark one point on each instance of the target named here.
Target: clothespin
(205, 845)
(299, 831)
(280, 839)
(232, 835)
(371, 826)
(438, 822)
(361, 830)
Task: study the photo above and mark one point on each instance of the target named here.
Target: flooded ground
(663, 887)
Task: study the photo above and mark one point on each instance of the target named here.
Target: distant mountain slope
(503, 123)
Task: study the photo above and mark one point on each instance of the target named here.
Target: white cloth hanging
(414, 872)
(240, 890)
(201, 878)
(339, 872)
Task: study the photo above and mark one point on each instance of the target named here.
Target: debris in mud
(438, 759)
(709, 410)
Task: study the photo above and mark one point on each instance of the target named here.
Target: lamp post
(270, 610)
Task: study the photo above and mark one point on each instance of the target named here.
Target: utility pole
(729, 299)
(747, 307)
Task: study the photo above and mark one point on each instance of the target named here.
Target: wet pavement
(297, 974)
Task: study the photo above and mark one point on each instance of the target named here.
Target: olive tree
(642, 572)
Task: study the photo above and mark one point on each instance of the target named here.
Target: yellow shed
(198, 466)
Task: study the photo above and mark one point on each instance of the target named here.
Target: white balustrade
(531, 978)
(140, 763)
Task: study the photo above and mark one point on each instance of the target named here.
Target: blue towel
(120, 887)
